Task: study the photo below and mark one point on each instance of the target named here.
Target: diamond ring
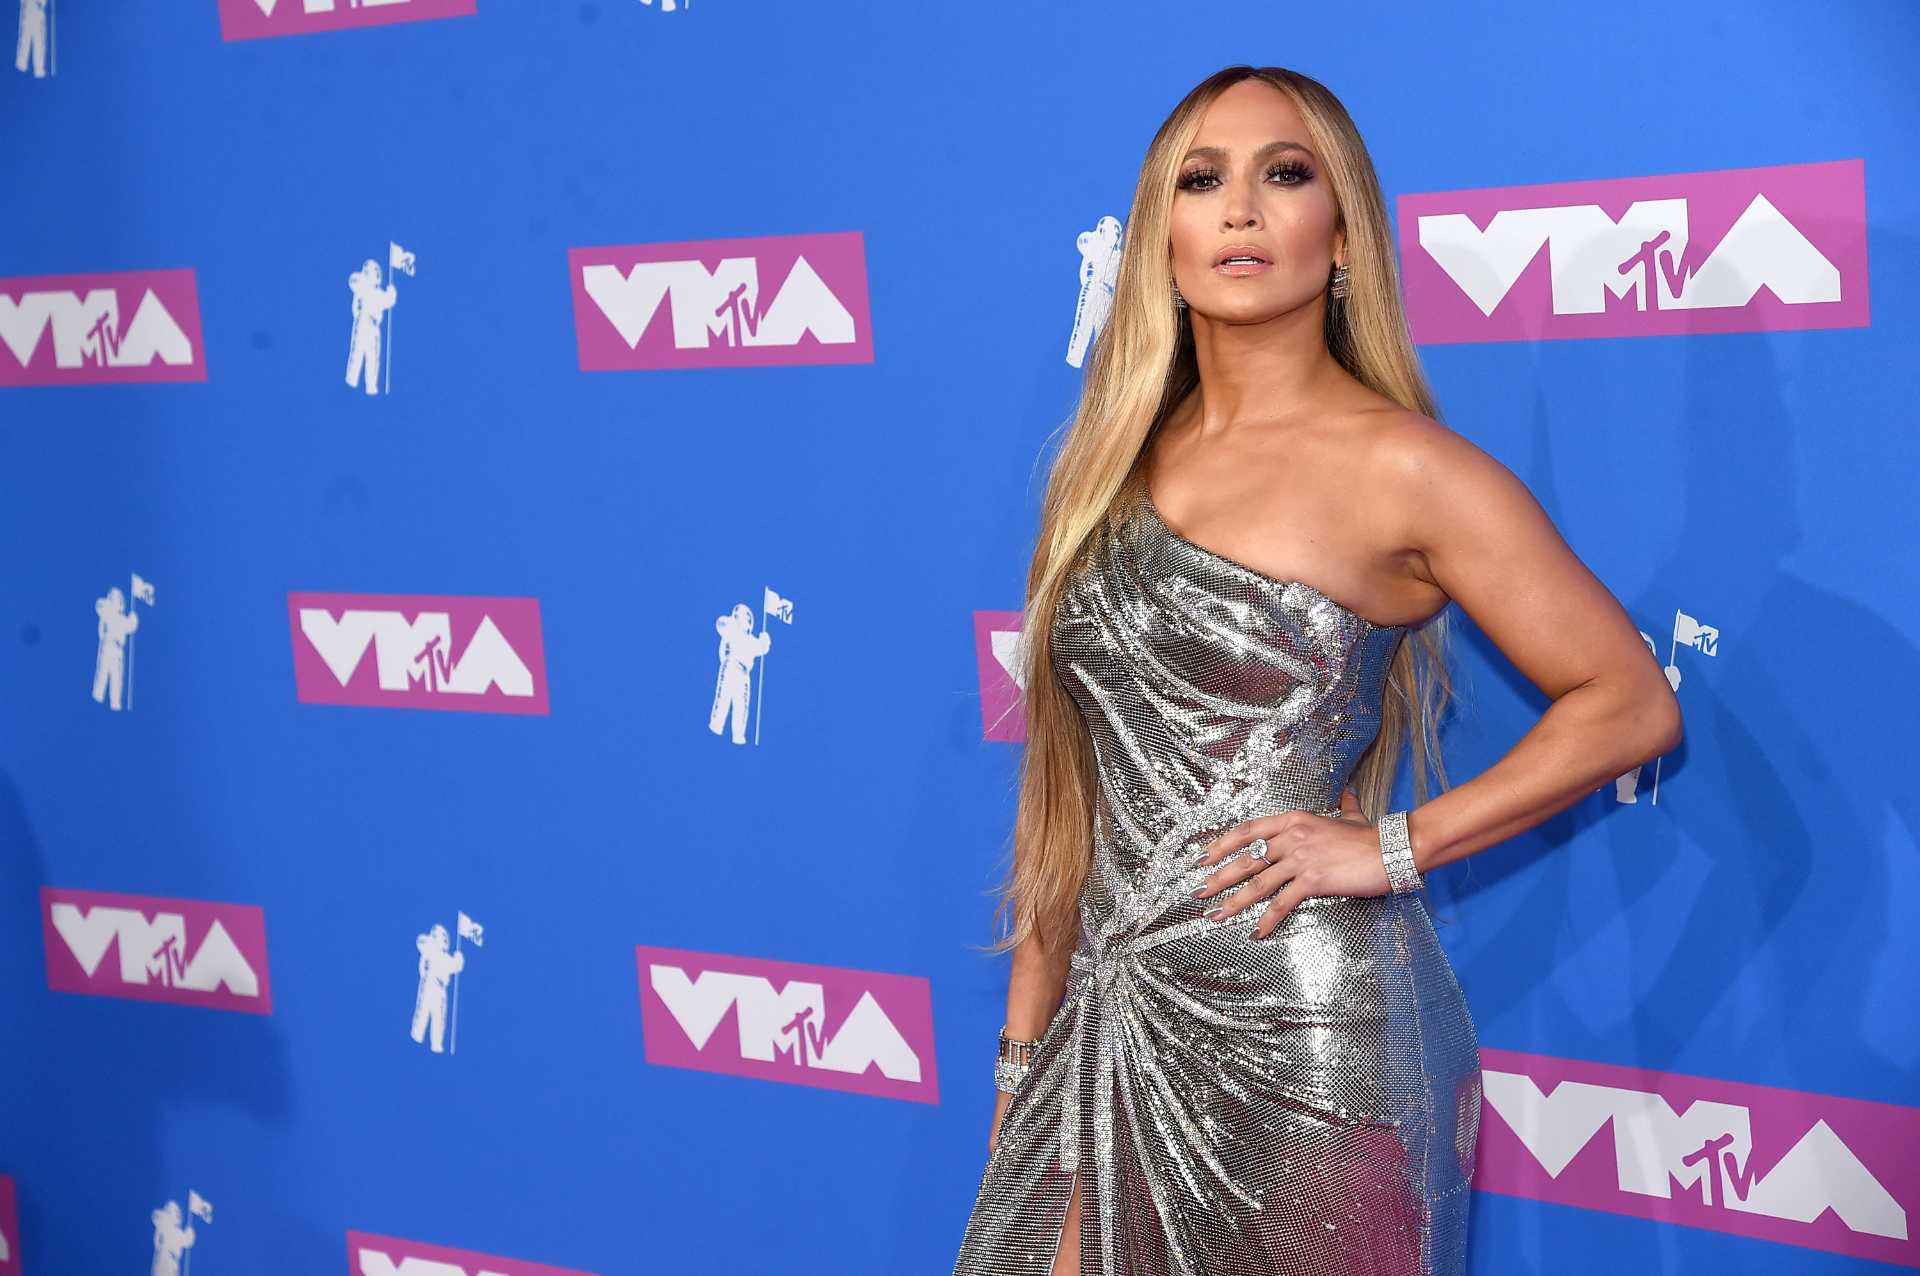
(1257, 849)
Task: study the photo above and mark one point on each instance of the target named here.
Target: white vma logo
(375, 1263)
(722, 302)
(1586, 247)
(86, 330)
(1709, 1147)
(786, 1024)
(155, 951)
(415, 655)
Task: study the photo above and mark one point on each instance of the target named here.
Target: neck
(1266, 372)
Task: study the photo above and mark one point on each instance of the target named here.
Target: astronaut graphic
(117, 624)
(739, 648)
(1099, 270)
(437, 966)
(172, 1238)
(371, 301)
(33, 37)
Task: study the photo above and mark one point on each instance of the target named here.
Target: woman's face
(1252, 179)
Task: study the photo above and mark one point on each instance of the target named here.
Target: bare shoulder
(1436, 477)
(1414, 451)
(1469, 525)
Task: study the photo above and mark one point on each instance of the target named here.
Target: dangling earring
(1338, 289)
(1179, 302)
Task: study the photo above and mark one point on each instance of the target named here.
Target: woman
(1233, 1043)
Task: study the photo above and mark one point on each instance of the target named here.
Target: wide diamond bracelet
(1396, 849)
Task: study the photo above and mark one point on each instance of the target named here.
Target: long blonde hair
(1140, 367)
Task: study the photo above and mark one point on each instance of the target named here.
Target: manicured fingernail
(1216, 914)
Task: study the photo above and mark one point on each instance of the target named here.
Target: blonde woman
(1233, 1043)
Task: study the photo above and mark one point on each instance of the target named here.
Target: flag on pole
(774, 605)
(470, 929)
(1689, 632)
(199, 1206)
(399, 258)
(143, 589)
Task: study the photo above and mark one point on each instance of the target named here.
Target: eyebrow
(1220, 154)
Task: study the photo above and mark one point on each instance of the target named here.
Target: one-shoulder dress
(1307, 1103)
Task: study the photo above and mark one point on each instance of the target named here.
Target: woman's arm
(1479, 534)
(1035, 987)
(1034, 992)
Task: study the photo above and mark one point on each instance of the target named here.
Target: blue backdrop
(1757, 924)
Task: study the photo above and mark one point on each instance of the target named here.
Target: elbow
(1665, 729)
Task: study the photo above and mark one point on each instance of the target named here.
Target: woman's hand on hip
(1307, 854)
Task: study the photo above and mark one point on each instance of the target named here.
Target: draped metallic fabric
(1305, 1104)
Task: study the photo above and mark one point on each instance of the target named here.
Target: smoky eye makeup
(1291, 172)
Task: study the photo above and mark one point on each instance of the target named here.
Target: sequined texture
(1304, 1104)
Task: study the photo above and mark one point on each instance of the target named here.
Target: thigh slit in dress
(1305, 1104)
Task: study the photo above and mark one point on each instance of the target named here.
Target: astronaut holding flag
(373, 302)
(440, 968)
(173, 1237)
(113, 657)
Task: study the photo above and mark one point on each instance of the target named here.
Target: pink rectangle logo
(371, 1255)
(147, 948)
(996, 649)
(9, 1230)
(252, 19)
(107, 328)
(1790, 1166)
(827, 1026)
(701, 304)
(1737, 250)
(419, 651)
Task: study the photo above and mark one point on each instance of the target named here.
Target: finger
(1350, 805)
(1246, 867)
(1282, 904)
(1267, 826)
(1255, 887)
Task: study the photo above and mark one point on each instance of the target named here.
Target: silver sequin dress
(1304, 1104)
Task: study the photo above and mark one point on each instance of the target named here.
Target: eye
(1292, 170)
(1295, 171)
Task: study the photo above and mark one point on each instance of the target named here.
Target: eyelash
(1292, 167)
